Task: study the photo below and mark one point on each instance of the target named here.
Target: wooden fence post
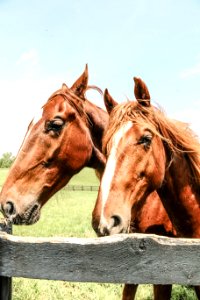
(5, 282)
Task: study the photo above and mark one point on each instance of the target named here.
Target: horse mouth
(104, 230)
(29, 217)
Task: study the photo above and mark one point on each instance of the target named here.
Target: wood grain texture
(133, 258)
(5, 282)
(5, 288)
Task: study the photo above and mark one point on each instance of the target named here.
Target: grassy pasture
(68, 213)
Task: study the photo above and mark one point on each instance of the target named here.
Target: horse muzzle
(114, 225)
(30, 216)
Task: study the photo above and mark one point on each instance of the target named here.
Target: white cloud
(190, 116)
(30, 57)
(195, 70)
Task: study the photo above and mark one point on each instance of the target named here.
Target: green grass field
(68, 214)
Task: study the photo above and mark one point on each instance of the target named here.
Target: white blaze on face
(111, 165)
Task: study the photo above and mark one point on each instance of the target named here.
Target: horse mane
(96, 88)
(74, 100)
(71, 98)
(177, 136)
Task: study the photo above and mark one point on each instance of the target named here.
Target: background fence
(81, 187)
(132, 258)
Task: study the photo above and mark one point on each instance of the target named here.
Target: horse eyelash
(50, 125)
(146, 140)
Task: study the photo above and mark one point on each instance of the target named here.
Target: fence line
(124, 258)
(82, 187)
(79, 187)
(133, 258)
(5, 282)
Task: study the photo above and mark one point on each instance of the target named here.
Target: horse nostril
(9, 208)
(111, 226)
(116, 220)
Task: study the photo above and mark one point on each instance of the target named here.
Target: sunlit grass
(3, 173)
(68, 213)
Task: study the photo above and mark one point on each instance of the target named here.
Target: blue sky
(46, 43)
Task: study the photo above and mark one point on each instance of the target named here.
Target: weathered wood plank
(5, 282)
(5, 288)
(133, 258)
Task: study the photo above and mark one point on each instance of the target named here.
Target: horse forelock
(73, 100)
(177, 136)
(78, 103)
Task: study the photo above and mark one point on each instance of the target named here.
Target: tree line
(6, 160)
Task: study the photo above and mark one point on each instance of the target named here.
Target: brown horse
(131, 148)
(63, 139)
(152, 217)
(84, 116)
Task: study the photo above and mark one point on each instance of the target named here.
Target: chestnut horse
(46, 162)
(156, 154)
(64, 138)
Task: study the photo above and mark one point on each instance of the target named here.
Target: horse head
(135, 162)
(57, 145)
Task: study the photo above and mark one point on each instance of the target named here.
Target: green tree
(6, 160)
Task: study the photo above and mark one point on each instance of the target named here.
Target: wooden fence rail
(133, 258)
(5, 282)
(81, 187)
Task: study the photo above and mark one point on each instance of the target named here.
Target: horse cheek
(158, 164)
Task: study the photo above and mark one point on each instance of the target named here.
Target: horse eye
(54, 125)
(145, 140)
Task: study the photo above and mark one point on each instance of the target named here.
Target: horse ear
(65, 88)
(80, 85)
(141, 92)
(109, 102)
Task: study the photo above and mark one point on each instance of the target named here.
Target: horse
(65, 137)
(154, 152)
(44, 162)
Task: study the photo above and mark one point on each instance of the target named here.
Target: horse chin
(119, 231)
(105, 232)
(29, 217)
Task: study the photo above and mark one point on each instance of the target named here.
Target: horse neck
(98, 120)
(97, 123)
(180, 197)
